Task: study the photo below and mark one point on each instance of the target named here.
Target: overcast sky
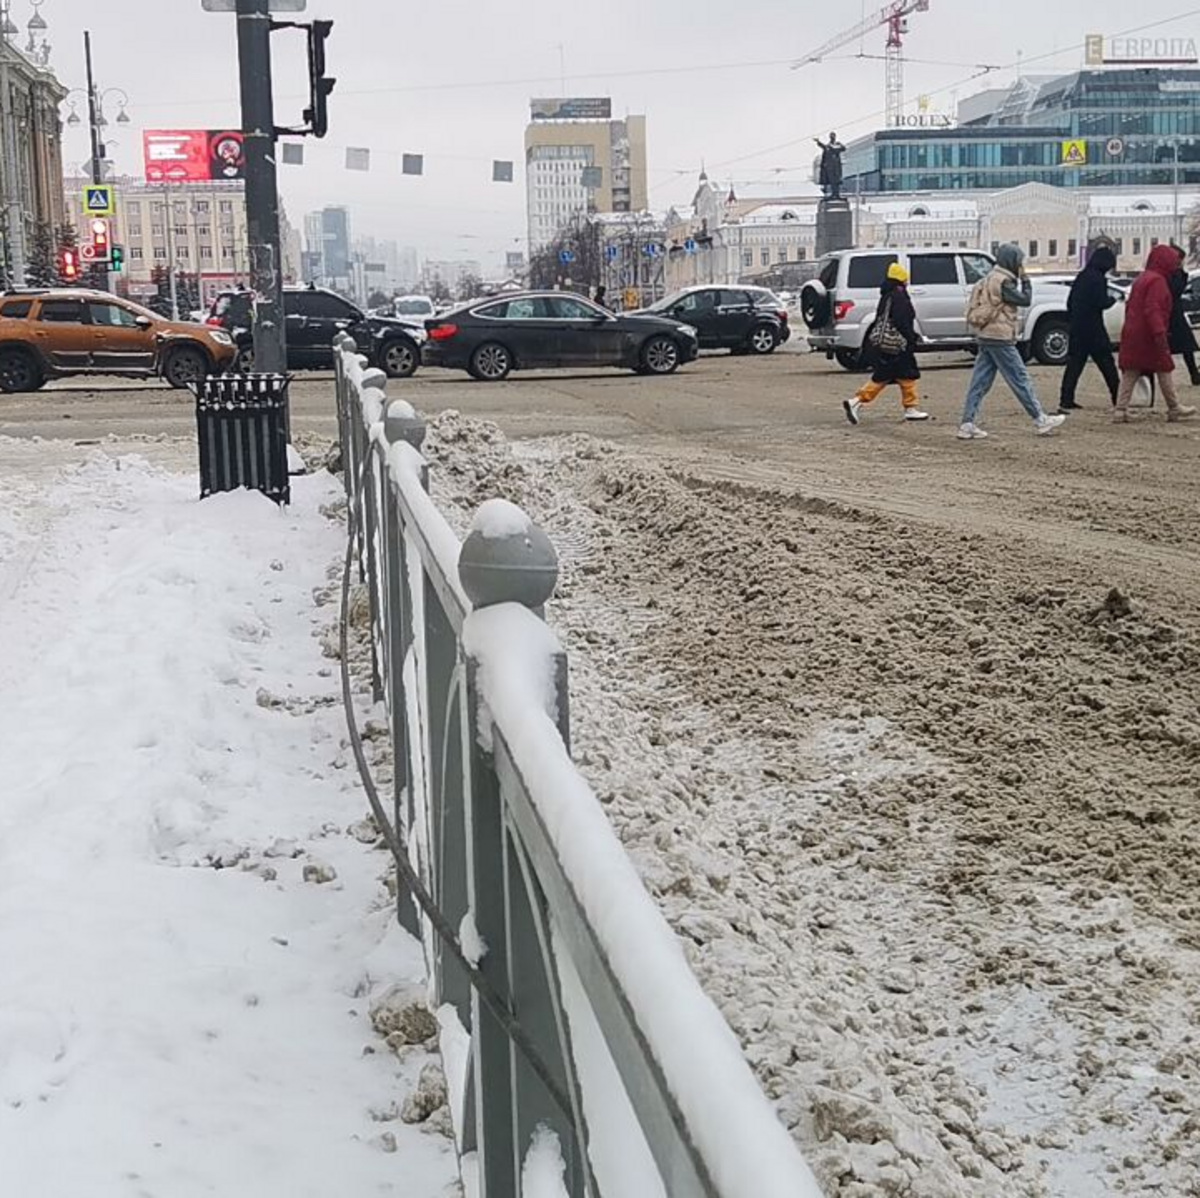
(452, 80)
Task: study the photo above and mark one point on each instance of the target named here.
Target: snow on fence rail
(590, 1040)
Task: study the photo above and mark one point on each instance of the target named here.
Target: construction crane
(895, 17)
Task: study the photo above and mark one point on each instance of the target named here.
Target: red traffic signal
(68, 266)
(100, 242)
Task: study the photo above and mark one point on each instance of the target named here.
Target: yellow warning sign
(1074, 153)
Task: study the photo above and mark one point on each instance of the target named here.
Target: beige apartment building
(202, 226)
(578, 161)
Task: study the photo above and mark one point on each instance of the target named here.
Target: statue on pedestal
(831, 166)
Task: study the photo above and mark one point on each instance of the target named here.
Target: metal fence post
(512, 915)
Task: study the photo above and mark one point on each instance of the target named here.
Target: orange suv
(61, 333)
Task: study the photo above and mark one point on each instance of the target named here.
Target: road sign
(1074, 153)
(1115, 148)
(87, 253)
(566, 256)
(689, 246)
(99, 200)
(275, 5)
(611, 253)
(652, 249)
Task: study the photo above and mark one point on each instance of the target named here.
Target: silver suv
(839, 305)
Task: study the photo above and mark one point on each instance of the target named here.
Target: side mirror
(143, 322)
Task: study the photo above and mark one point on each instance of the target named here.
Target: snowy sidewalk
(190, 941)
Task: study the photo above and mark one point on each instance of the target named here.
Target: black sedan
(491, 337)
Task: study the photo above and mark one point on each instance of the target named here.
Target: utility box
(242, 425)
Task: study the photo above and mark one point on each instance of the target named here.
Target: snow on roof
(774, 213)
(1135, 205)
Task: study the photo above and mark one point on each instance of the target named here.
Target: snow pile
(497, 519)
(191, 942)
(543, 1170)
(473, 944)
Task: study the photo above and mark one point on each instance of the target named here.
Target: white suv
(839, 305)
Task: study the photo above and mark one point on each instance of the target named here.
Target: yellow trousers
(909, 395)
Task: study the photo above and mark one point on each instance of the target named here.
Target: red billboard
(193, 155)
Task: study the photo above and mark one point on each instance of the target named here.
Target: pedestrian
(1146, 339)
(1183, 340)
(892, 365)
(1090, 298)
(601, 296)
(994, 314)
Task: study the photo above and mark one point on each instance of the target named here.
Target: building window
(160, 253)
(135, 208)
(180, 210)
(1153, 242)
(1033, 249)
(765, 255)
(206, 253)
(748, 258)
(1137, 247)
(1052, 248)
(183, 253)
(201, 205)
(135, 230)
(156, 228)
(157, 207)
(783, 257)
(135, 253)
(203, 230)
(226, 205)
(1072, 248)
(802, 254)
(1119, 248)
(227, 251)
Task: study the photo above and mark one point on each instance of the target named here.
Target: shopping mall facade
(1133, 127)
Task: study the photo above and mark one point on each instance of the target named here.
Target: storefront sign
(924, 120)
(1141, 51)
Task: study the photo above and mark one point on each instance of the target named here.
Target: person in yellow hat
(891, 346)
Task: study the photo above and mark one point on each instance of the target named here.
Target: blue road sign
(652, 250)
(611, 253)
(689, 246)
(566, 256)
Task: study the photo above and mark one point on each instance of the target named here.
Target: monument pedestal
(835, 226)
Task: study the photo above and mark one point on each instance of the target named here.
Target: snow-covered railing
(577, 1040)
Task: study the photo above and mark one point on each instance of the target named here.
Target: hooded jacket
(1144, 344)
(894, 297)
(994, 311)
(1090, 298)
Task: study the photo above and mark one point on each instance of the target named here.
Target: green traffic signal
(117, 262)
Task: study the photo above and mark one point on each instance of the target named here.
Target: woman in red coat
(1145, 342)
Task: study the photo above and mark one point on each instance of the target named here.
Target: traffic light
(320, 87)
(68, 265)
(100, 242)
(118, 259)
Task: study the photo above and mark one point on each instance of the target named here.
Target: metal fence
(543, 947)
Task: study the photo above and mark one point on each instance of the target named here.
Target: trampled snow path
(174, 1020)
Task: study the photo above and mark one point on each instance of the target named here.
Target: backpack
(981, 310)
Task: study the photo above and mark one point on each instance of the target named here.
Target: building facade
(199, 226)
(328, 257)
(30, 155)
(578, 165)
(1119, 128)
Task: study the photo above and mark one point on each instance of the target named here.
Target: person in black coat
(1090, 298)
(1180, 335)
(894, 305)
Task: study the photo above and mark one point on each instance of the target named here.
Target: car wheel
(491, 362)
(244, 362)
(399, 358)
(764, 339)
(816, 306)
(1051, 343)
(185, 368)
(19, 371)
(849, 359)
(660, 355)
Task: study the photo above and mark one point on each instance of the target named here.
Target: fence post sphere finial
(346, 342)
(374, 378)
(402, 423)
(506, 558)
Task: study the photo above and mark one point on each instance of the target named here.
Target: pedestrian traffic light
(100, 242)
(317, 116)
(118, 258)
(68, 265)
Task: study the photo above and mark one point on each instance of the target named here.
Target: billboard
(574, 108)
(1100, 51)
(193, 155)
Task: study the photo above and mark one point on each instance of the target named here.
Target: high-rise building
(578, 159)
(327, 233)
(410, 269)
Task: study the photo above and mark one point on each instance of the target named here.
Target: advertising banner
(193, 155)
(574, 108)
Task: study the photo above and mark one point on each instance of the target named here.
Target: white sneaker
(915, 414)
(852, 407)
(1048, 424)
(970, 432)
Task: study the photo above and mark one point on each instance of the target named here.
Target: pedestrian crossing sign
(98, 200)
(1074, 153)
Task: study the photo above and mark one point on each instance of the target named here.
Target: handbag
(885, 337)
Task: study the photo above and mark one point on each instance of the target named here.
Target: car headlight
(221, 337)
(689, 330)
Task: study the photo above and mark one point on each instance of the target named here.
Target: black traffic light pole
(262, 186)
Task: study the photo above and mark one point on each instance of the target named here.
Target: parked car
(839, 305)
(59, 333)
(313, 316)
(742, 319)
(412, 307)
(491, 337)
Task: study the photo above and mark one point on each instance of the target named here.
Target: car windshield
(665, 305)
(412, 307)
